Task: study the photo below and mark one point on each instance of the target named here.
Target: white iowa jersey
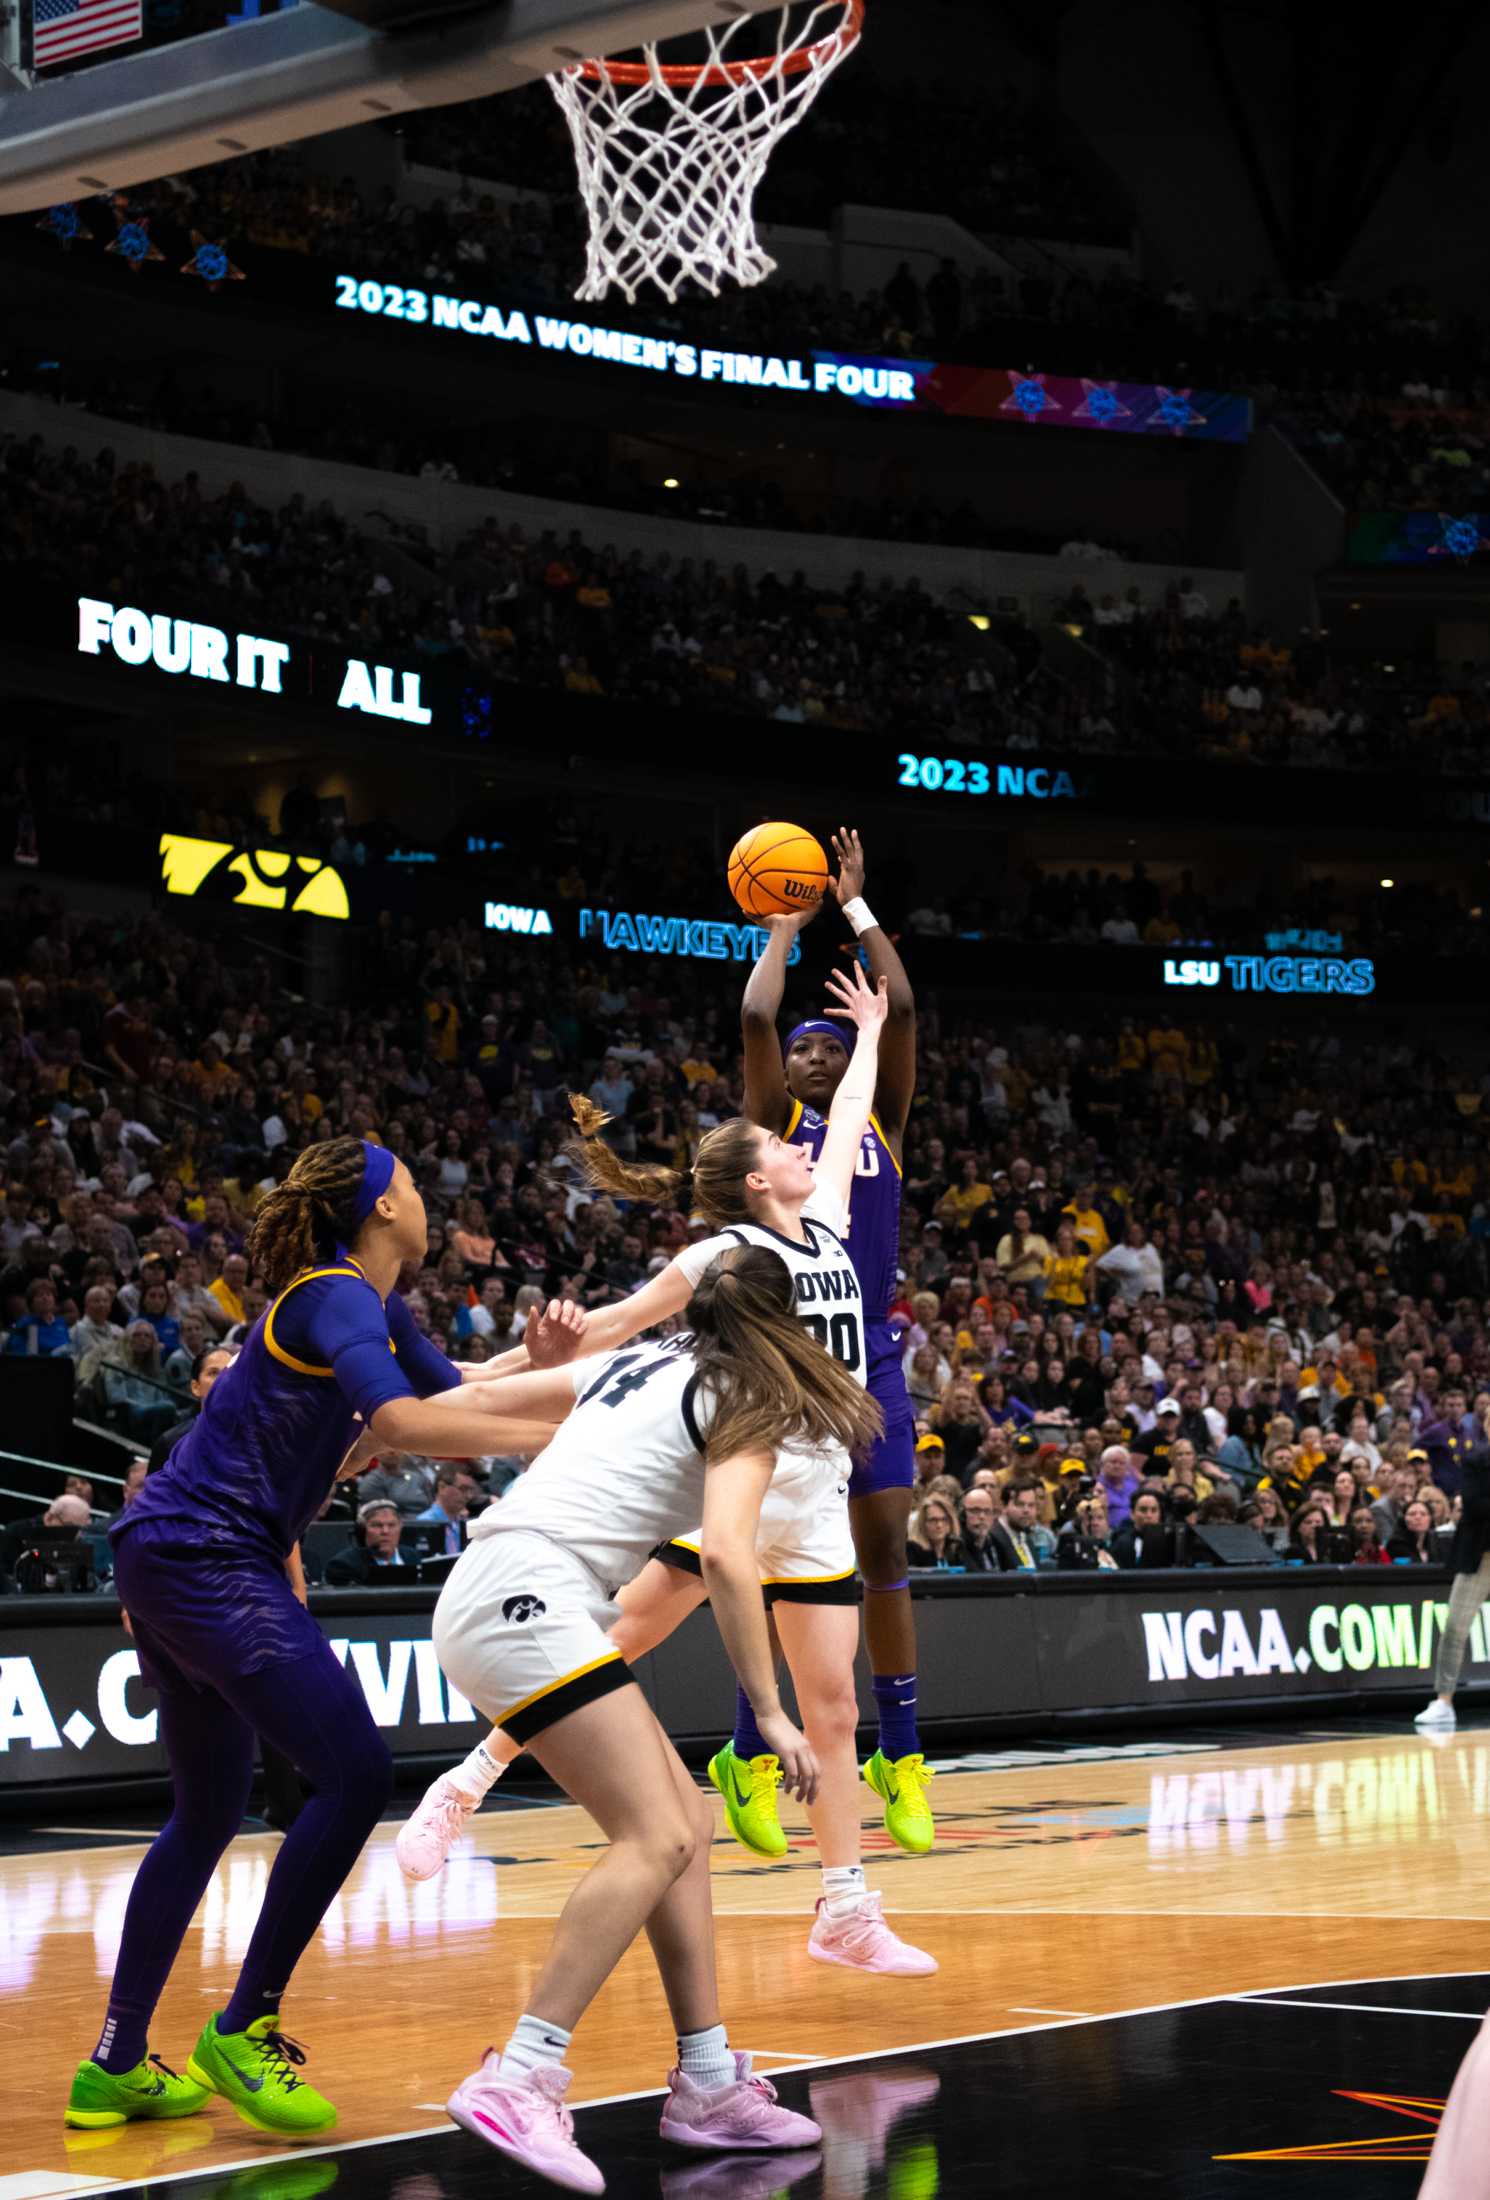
(625, 1471)
(824, 1279)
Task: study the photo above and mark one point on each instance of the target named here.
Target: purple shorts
(203, 1615)
(891, 1464)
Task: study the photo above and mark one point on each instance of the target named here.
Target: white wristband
(860, 916)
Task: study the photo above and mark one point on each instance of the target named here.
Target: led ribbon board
(993, 395)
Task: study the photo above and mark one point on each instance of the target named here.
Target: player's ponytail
(768, 1380)
(302, 1221)
(725, 1158)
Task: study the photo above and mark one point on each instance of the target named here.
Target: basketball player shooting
(789, 1089)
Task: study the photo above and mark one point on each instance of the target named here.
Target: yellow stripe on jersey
(612, 1657)
(793, 1119)
(874, 1125)
(311, 1275)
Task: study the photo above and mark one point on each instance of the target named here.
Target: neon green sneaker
(100, 2097)
(901, 1787)
(255, 2072)
(749, 1786)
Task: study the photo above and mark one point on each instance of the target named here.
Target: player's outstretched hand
(554, 1333)
(799, 1767)
(849, 849)
(855, 1000)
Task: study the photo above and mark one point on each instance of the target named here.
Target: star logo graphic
(132, 239)
(211, 262)
(1029, 397)
(1461, 537)
(1398, 2146)
(1100, 402)
(1173, 410)
(65, 224)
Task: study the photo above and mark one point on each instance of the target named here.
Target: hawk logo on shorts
(524, 1608)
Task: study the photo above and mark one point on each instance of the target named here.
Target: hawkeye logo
(270, 879)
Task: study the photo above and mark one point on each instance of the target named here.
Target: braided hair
(303, 1220)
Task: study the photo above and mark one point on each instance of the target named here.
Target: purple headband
(815, 1029)
(377, 1175)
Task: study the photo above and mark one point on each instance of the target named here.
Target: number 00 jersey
(829, 1296)
(872, 1228)
(625, 1471)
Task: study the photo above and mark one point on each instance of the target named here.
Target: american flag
(65, 29)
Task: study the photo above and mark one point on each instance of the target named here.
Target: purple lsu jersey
(873, 1242)
(873, 1208)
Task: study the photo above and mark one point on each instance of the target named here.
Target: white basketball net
(669, 163)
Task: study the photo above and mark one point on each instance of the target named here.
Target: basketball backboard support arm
(281, 77)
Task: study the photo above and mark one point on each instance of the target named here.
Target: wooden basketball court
(1062, 1889)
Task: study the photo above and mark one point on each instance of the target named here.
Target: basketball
(776, 869)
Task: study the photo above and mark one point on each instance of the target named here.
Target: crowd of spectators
(1170, 675)
(1149, 1260)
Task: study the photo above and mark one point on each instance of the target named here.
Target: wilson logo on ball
(776, 870)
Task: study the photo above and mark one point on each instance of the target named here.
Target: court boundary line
(1367, 2008)
(812, 2065)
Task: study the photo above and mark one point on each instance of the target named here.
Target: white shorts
(522, 1629)
(803, 1545)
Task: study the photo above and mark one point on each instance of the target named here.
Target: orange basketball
(776, 869)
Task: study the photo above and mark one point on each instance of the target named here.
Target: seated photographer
(374, 1552)
(32, 1547)
(1145, 1537)
(1084, 1544)
(1266, 1512)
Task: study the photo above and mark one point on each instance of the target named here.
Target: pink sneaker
(439, 1819)
(526, 2119)
(745, 2114)
(864, 1942)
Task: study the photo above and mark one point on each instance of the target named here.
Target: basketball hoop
(670, 154)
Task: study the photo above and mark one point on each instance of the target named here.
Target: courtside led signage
(303, 886)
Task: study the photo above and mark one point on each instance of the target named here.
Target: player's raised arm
(897, 1062)
(866, 1007)
(767, 1100)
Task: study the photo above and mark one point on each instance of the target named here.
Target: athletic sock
(247, 2003)
(706, 2058)
(843, 1889)
(535, 2045)
(476, 1774)
(121, 2044)
(895, 1700)
(748, 1740)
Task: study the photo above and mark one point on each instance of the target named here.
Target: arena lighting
(671, 482)
(980, 620)
(1388, 882)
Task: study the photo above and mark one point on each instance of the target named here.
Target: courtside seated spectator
(374, 1552)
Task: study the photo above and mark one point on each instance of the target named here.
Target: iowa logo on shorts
(267, 878)
(524, 1608)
